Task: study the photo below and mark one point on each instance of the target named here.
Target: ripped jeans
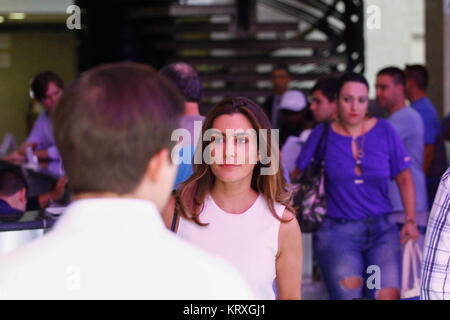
(367, 249)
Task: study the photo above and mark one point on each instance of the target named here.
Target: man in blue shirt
(435, 159)
(47, 87)
(390, 91)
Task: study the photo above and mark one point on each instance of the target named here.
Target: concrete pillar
(438, 53)
(399, 40)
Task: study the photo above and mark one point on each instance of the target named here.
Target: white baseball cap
(293, 100)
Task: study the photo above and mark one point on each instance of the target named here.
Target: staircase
(232, 45)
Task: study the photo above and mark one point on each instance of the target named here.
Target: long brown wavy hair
(191, 194)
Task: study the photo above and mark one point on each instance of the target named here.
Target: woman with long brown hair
(236, 203)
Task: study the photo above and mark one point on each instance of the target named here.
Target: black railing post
(354, 35)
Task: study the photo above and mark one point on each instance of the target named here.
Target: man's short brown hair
(40, 83)
(110, 122)
(419, 74)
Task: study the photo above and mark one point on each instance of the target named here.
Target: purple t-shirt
(350, 196)
(42, 133)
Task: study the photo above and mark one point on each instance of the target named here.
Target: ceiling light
(16, 16)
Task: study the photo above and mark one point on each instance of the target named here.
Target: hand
(58, 192)
(14, 157)
(409, 231)
(24, 146)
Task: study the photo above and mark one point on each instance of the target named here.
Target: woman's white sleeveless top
(248, 240)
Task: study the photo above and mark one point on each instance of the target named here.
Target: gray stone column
(437, 38)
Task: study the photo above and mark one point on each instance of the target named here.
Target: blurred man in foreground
(113, 128)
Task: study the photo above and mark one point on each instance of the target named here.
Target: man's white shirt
(116, 249)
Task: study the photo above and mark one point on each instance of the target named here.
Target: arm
(55, 195)
(294, 173)
(45, 154)
(42, 154)
(35, 136)
(406, 186)
(428, 157)
(289, 259)
(39, 139)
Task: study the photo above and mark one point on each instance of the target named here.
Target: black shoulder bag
(309, 196)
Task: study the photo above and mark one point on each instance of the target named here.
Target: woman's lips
(229, 166)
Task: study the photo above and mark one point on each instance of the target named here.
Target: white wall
(399, 41)
(35, 6)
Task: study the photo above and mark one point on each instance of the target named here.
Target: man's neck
(6, 200)
(191, 109)
(280, 92)
(417, 95)
(400, 105)
(332, 117)
(10, 203)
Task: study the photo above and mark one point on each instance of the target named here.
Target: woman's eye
(241, 140)
(347, 99)
(362, 100)
(217, 139)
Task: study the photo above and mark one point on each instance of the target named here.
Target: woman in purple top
(357, 247)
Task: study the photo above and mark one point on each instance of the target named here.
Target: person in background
(324, 99)
(13, 199)
(113, 128)
(324, 109)
(188, 82)
(294, 116)
(280, 79)
(390, 93)
(363, 154)
(445, 128)
(435, 161)
(47, 88)
(435, 266)
(13, 195)
(292, 107)
(232, 208)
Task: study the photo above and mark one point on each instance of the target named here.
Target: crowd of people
(202, 214)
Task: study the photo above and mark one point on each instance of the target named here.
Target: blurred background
(234, 44)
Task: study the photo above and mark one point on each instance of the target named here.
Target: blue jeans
(367, 249)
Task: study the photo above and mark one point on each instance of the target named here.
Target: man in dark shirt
(435, 158)
(13, 195)
(13, 200)
(280, 78)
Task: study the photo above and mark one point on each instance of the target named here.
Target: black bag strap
(174, 220)
(321, 149)
(175, 212)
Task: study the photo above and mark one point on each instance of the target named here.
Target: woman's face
(233, 148)
(353, 103)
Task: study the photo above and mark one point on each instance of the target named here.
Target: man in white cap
(294, 131)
